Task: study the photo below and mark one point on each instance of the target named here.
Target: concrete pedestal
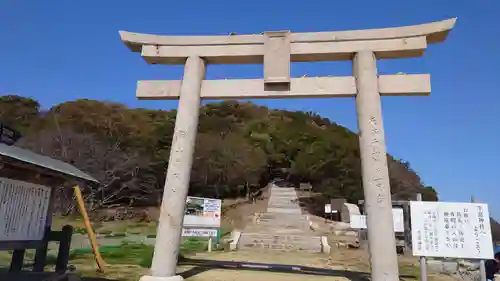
(156, 278)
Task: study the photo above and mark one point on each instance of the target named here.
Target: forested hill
(239, 146)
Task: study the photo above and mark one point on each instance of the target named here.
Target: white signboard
(328, 208)
(455, 230)
(202, 212)
(199, 232)
(359, 221)
(398, 220)
(23, 210)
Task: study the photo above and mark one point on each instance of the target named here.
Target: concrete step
(283, 222)
(284, 196)
(285, 216)
(292, 237)
(283, 209)
(282, 201)
(290, 242)
(284, 205)
(282, 228)
(275, 230)
(297, 223)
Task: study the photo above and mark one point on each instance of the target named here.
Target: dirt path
(310, 266)
(341, 265)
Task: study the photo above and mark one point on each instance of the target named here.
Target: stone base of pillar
(156, 278)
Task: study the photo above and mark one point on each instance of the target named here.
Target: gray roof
(32, 158)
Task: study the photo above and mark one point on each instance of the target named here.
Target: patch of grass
(151, 236)
(136, 254)
(114, 235)
(79, 230)
(409, 269)
(139, 224)
(224, 231)
(193, 244)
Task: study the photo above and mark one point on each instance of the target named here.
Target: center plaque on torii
(276, 50)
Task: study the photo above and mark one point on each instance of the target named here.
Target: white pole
(210, 244)
(482, 265)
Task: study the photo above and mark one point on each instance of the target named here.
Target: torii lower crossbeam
(307, 87)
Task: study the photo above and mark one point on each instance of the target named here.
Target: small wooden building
(28, 182)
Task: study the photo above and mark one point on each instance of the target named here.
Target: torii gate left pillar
(276, 50)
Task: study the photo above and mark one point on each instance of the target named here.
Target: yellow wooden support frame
(93, 241)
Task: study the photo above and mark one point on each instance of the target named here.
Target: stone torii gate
(276, 50)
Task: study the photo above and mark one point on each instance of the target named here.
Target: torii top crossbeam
(396, 42)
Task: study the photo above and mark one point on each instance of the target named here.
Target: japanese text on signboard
(459, 230)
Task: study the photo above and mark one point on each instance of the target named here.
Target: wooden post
(17, 261)
(64, 248)
(88, 226)
(407, 227)
(423, 262)
(41, 252)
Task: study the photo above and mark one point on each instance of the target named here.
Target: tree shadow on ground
(202, 265)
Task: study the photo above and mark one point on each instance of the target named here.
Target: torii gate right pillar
(375, 173)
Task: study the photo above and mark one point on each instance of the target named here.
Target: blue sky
(55, 51)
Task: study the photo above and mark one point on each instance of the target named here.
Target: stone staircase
(281, 227)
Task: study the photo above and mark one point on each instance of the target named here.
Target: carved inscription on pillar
(378, 153)
(174, 178)
(178, 143)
